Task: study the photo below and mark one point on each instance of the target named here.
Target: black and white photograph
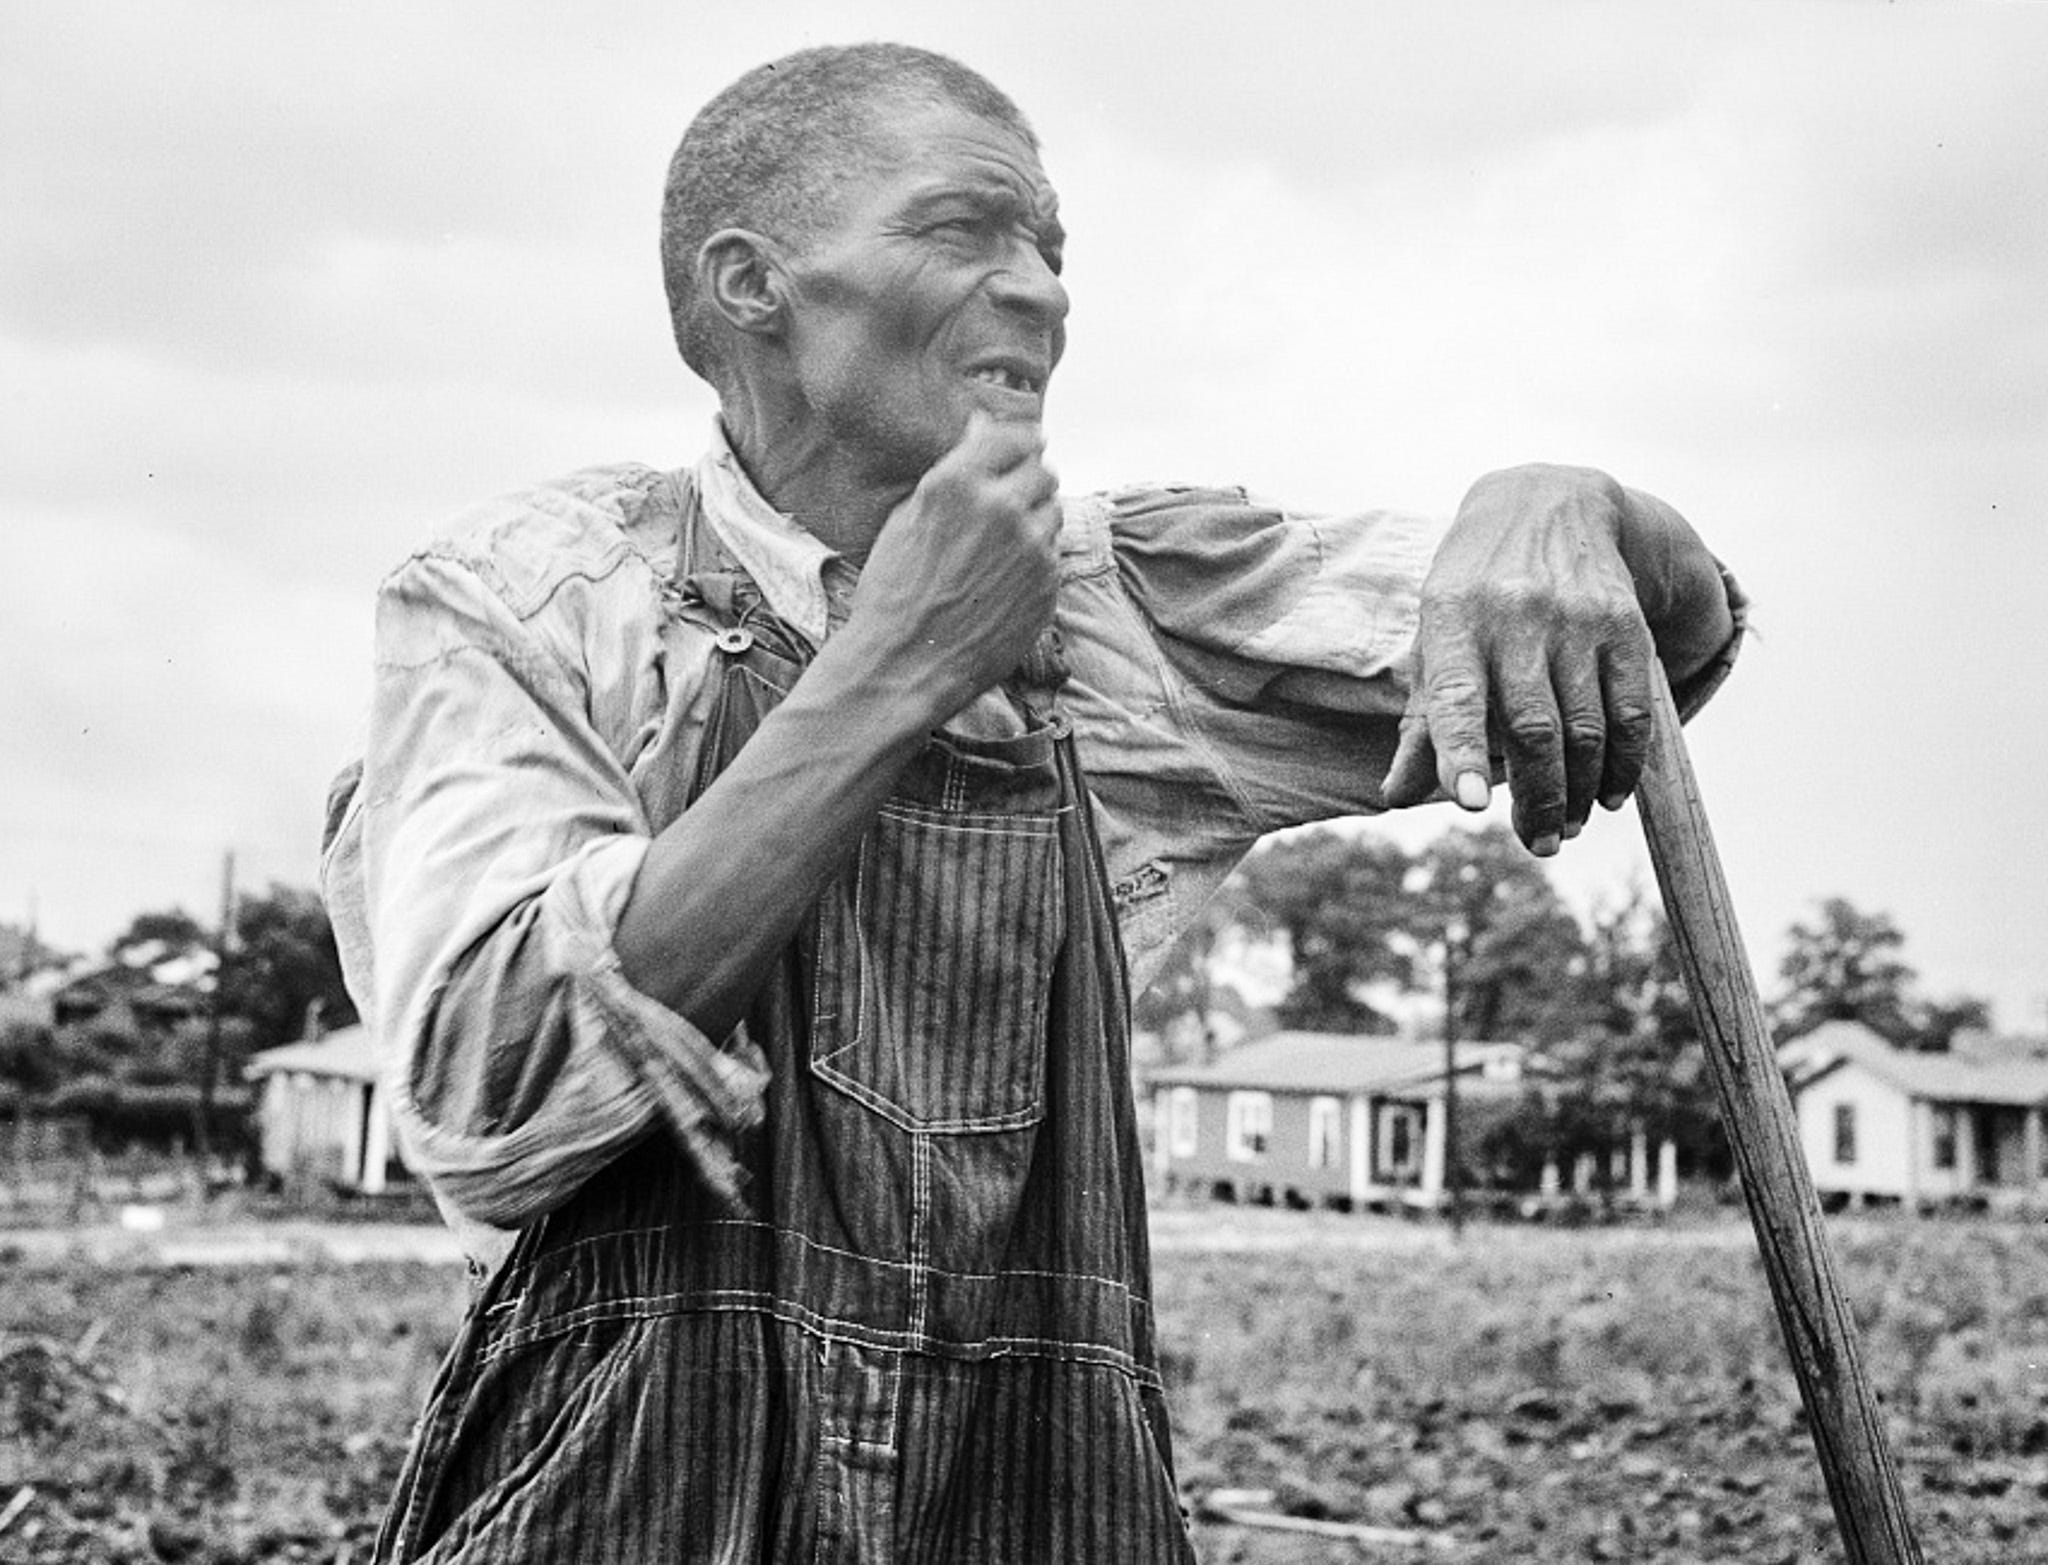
(1116, 783)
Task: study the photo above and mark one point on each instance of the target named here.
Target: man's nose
(1028, 283)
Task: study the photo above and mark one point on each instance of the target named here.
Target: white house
(1316, 1118)
(1885, 1124)
(323, 1113)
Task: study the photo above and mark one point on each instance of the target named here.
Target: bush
(125, 1114)
(29, 1058)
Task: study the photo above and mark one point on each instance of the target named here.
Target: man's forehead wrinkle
(1035, 201)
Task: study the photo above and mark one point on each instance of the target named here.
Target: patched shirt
(538, 703)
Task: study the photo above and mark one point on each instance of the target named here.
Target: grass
(1609, 1395)
(1539, 1395)
(255, 1414)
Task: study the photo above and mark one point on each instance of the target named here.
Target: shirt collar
(790, 566)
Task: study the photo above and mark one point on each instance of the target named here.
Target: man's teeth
(1006, 379)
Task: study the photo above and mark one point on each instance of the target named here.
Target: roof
(1935, 1078)
(139, 986)
(1990, 1048)
(1330, 1062)
(348, 1052)
(1827, 1046)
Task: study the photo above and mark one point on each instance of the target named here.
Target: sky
(281, 287)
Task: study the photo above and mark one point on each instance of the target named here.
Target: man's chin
(904, 455)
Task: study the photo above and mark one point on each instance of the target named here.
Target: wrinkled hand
(1532, 647)
(963, 575)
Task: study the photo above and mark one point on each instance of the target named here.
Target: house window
(1397, 1140)
(1249, 1126)
(1845, 1133)
(1325, 1132)
(1944, 1136)
(1183, 1121)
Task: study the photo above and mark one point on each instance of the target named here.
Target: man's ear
(740, 274)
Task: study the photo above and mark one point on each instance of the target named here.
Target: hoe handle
(1841, 1406)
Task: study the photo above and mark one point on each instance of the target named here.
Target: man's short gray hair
(767, 153)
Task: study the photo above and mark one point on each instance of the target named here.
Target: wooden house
(1319, 1118)
(151, 1002)
(1881, 1124)
(323, 1115)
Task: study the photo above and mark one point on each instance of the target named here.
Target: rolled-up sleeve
(1279, 642)
(1236, 669)
(500, 835)
(1285, 639)
(1264, 602)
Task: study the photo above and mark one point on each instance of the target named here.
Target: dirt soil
(241, 1393)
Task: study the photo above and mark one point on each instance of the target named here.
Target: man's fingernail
(1613, 801)
(1544, 846)
(1572, 829)
(1473, 792)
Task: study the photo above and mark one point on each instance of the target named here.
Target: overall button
(734, 639)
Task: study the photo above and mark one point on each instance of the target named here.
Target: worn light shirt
(537, 709)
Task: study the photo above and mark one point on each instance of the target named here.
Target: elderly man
(746, 860)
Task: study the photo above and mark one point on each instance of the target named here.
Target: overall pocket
(935, 959)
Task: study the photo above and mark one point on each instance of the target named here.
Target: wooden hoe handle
(1841, 1406)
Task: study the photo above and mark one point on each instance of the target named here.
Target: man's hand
(962, 578)
(1533, 646)
(959, 583)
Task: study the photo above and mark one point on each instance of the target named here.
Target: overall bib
(927, 1334)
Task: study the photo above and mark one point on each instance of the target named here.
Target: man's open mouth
(1008, 379)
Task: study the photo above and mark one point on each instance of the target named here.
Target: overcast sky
(282, 285)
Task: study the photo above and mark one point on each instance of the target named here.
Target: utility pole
(25, 967)
(209, 1069)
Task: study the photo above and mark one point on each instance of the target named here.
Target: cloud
(1328, 93)
(279, 286)
(164, 702)
(323, 192)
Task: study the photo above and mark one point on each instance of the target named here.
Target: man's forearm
(722, 890)
(958, 585)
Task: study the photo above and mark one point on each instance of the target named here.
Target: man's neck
(816, 484)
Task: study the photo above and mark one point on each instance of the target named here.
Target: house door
(1397, 1150)
(2001, 1138)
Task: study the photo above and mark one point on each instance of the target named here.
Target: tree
(1845, 966)
(30, 1059)
(1339, 898)
(282, 962)
(1360, 912)
(1639, 1064)
(166, 933)
(1937, 1022)
(1484, 915)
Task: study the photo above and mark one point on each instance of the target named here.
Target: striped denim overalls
(927, 1335)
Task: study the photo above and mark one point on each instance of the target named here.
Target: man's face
(932, 291)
